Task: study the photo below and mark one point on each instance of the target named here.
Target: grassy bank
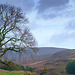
(16, 73)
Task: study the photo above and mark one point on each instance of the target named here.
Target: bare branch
(14, 35)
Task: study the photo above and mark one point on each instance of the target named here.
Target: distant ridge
(48, 51)
(42, 52)
(67, 54)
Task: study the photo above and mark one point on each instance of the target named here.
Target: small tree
(14, 35)
(71, 67)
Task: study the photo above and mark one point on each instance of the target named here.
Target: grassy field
(10, 73)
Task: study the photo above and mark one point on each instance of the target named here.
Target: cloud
(47, 4)
(66, 36)
(65, 39)
(42, 36)
(49, 9)
(70, 26)
(62, 37)
(26, 5)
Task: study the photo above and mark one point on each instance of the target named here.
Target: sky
(52, 22)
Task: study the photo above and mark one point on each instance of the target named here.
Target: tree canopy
(14, 35)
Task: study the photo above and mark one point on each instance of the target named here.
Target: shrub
(28, 68)
(16, 67)
(12, 67)
(70, 68)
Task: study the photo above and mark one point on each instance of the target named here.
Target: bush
(28, 68)
(70, 69)
(16, 67)
(12, 67)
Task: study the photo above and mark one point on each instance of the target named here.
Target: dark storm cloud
(26, 5)
(46, 4)
(49, 9)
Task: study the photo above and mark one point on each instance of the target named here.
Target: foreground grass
(10, 73)
(15, 73)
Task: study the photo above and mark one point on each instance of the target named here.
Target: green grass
(16, 73)
(9, 73)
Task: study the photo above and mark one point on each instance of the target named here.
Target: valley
(55, 64)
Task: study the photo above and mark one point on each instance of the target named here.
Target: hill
(56, 63)
(67, 54)
(54, 59)
(44, 52)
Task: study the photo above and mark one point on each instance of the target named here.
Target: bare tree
(14, 35)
